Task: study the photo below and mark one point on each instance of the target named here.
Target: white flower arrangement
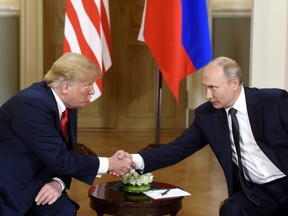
(134, 178)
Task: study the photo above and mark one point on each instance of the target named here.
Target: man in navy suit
(37, 160)
(263, 127)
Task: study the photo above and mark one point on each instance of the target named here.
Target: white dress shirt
(103, 161)
(257, 166)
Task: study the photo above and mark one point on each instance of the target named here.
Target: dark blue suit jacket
(268, 115)
(33, 149)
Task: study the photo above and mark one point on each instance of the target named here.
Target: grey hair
(230, 67)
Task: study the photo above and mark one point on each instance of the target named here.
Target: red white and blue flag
(87, 31)
(177, 34)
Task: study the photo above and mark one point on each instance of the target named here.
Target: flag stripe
(86, 34)
(163, 31)
(163, 38)
(195, 32)
(71, 39)
(84, 24)
(105, 37)
(93, 13)
(67, 47)
(93, 30)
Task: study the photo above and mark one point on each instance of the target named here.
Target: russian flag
(177, 34)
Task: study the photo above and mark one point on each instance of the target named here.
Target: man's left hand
(49, 193)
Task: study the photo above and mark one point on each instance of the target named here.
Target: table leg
(174, 213)
(171, 214)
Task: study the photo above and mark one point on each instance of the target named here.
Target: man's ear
(235, 82)
(65, 87)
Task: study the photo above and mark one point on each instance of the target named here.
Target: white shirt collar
(240, 104)
(61, 106)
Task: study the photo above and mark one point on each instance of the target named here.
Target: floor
(199, 174)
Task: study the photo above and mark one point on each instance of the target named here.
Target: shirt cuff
(103, 166)
(138, 160)
(60, 182)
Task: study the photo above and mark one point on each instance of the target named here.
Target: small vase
(135, 188)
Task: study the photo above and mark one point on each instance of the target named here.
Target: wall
(11, 4)
(269, 44)
(217, 9)
(269, 47)
(31, 40)
(9, 49)
(268, 50)
(30, 36)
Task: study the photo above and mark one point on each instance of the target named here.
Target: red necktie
(64, 122)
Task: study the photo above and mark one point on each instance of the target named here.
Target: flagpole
(158, 107)
(158, 111)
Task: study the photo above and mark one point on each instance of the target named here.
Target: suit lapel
(254, 113)
(58, 125)
(221, 134)
(54, 104)
(72, 127)
(222, 145)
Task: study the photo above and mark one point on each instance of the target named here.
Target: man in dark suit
(37, 159)
(257, 183)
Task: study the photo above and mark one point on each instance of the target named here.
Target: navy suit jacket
(33, 149)
(268, 115)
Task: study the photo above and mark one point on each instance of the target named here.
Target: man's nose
(208, 94)
(91, 90)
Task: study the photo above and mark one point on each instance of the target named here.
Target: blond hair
(71, 67)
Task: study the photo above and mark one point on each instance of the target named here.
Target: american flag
(87, 31)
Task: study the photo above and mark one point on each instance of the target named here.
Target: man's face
(79, 93)
(222, 93)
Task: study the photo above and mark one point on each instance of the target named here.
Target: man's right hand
(120, 163)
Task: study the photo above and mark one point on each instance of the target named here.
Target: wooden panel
(102, 112)
(129, 97)
(99, 114)
(231, 37)
(138, 75)
(9, 56)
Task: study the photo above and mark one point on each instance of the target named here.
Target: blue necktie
(236, 134)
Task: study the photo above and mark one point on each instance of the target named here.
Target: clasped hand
(120, 163)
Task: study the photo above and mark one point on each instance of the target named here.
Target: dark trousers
(64, 206)
(273, 201)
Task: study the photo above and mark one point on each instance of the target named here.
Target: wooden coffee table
(109, 198)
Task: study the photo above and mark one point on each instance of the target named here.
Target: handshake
(120, 163)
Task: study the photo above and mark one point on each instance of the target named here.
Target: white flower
(133, 178)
